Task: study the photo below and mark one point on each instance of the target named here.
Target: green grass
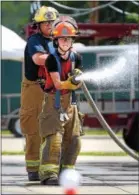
(103, 154)
(87, 132)
(12, 153)
(99, 132)
(6, 132)
(82, 153)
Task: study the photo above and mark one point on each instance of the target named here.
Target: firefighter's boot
(33, 176)
(53, 181)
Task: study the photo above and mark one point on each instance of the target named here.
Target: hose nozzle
(75, 73)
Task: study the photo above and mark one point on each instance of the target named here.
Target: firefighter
(36, 52)
(59, 119)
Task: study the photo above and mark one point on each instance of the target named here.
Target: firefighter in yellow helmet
(59, 119)
(36, 53)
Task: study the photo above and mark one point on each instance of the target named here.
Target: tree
(16, 14)
(132, 18)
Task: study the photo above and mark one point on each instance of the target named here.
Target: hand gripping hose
(105, 124)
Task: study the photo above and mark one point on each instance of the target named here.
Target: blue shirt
(35, 44)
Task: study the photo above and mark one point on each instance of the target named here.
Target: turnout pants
(60, 139)
(31, 105)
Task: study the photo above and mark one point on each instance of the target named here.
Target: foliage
(132, 18)
(16, 14)
(109, 15)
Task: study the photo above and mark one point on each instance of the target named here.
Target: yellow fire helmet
(44, 14)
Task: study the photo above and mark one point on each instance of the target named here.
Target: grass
(82, 153)
(12, 153)
(87, 132)
(103, 154)
(6, 132)
(98, 132)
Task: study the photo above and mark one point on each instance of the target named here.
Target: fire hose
(105, 124)
(100, 117)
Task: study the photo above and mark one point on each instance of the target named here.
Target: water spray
(116, 71)
(105, 74)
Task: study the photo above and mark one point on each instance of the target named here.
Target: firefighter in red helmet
(59, 120)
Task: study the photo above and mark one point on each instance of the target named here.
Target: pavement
(100, 175)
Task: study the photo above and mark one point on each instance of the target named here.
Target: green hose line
(105, 125)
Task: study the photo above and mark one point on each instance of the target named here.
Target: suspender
(72, 57)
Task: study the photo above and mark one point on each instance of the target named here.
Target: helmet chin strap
(64, 52)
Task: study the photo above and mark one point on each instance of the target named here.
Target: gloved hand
(68, 85)
(71, 82)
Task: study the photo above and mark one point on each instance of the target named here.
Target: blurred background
(108, 30)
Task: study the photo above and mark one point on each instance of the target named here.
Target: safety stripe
(49, 167)
(32, 163)
(41, 148)
(68, 166)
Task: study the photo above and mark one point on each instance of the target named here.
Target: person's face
(46, 27)
(65, 43)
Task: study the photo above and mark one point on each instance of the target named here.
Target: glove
(71, 82)
(68, 84)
